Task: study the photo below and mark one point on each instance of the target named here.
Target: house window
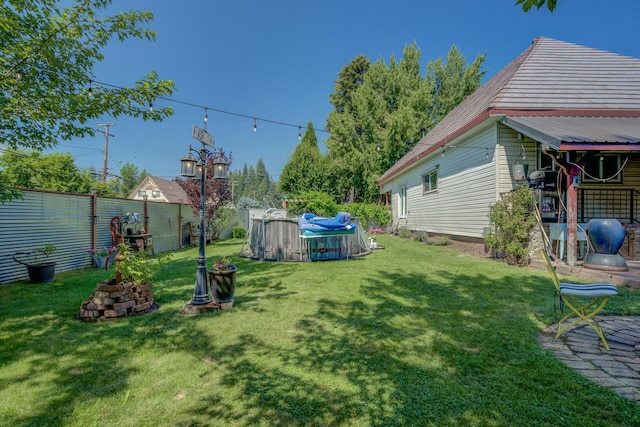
(142, 193)
(155, 193)
(430, 181)
(402, 202)
(601, 167)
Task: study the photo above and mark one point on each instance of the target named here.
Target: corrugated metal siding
(280, 240)
(41, 218)
(67, 220)
(163, 225)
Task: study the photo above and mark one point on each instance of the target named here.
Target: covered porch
(594, 164)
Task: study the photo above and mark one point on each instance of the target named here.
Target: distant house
(556, 104)
(157, 189)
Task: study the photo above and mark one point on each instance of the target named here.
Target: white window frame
(430, 181)
(402, 202)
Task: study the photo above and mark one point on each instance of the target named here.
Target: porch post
(572, 218)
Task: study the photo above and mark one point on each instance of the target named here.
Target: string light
(190, 104)
(206, 119)
(90, 91)
(19, 74)
(443, 151)
(255, 125)
(487, 155)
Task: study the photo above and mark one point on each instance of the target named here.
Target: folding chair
(598, 294)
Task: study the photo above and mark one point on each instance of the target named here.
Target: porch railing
(622, 204)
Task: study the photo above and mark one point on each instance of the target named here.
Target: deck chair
(597, 293)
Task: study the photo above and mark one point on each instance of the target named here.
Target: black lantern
(188, 165)
(220, 168)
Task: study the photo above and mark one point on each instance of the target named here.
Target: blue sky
(278, 61)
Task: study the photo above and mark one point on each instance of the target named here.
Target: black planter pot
(223, 284)
(42, 273)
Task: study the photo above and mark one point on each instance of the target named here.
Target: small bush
(369, 214)
(314, 202)
(512, 225)
(239, 233)
(440, 241)
(421, 236)
(404, 233)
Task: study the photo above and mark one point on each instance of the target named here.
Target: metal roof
(549, 78)
(575, 133)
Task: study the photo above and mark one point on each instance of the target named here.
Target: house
(556, 105)
(157, 189)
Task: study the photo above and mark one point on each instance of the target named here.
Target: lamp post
(189, 164)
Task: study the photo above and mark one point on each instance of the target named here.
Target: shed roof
(580, 133)
(549, 78)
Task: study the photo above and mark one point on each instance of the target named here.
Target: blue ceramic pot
(606, 235)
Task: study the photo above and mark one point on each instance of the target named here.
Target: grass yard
(411, 335)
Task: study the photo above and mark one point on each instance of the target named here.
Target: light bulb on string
(443, 151)
(150, 107)
(299, 133)
(255, 125)
(487, 154)
(90, 91)
(205, 119)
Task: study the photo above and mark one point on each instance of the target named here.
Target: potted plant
(129, 291)
(100, 256)
(223, 280)
(40, 269)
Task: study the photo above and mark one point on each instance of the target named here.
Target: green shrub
(440, 241)
(404, 233)
(511, 226)
(369, 214)
(239, 233)
(420, 236)
(315, 202)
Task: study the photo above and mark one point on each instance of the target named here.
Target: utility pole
(233, 199)
(106, 146)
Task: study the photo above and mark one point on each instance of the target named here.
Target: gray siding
(509, 152)
(466, 188)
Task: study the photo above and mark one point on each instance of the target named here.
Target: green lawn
(409, 335)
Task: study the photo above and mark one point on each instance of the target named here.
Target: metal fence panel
(73, 221)
(41, 218)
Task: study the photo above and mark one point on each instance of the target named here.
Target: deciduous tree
(217, 194)
(528, 4)
(48, 92)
